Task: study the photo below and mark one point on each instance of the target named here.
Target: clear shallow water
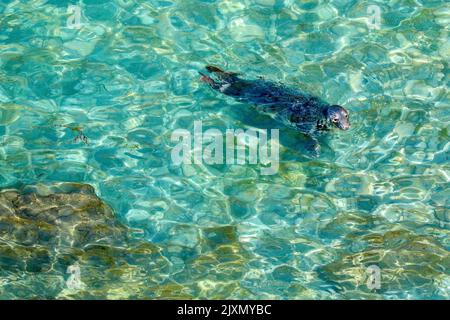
(127, 78)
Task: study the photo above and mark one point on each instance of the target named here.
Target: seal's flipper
(214, 69)
(313, 146)
(206, 79)
(223, 75)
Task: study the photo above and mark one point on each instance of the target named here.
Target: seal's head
(338, 116)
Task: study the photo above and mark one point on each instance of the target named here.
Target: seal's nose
(345, 126)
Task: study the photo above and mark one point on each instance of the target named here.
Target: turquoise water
(127, 76)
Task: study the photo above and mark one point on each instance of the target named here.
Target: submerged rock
(64, 215)
(63, 241)
(405, 260)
